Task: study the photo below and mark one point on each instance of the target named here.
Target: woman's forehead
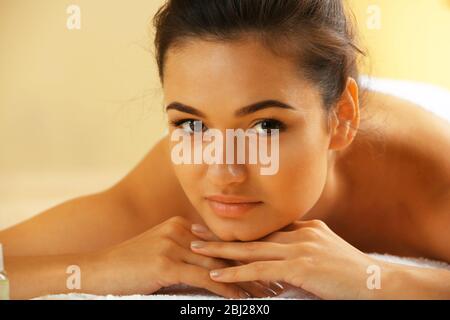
(244, 71)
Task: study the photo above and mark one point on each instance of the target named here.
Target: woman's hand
(161, 257)
(306, 255)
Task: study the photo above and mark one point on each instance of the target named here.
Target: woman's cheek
(190, 178)
(301, 178)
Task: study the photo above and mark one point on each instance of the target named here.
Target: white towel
(183, 292)
(432, 98)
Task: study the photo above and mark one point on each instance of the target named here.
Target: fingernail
(270, 292)
(215, 273)
(276, 286)
(199, 228)
(197, 244)
(244, 294)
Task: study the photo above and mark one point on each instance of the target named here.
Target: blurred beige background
(80, 108)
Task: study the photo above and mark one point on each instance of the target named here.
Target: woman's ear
(344, 120)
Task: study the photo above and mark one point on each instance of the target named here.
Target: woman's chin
(243, 238)
(233, 234)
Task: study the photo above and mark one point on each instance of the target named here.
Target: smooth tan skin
(379, 185)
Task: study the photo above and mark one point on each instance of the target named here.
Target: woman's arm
(157, 258)
(407, 282)
(80, 225)
(38, 276)
(148, 195)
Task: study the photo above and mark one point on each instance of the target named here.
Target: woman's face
(219, 78)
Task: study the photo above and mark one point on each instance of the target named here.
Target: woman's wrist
(37, 276)
(100, 276)
(407, 282)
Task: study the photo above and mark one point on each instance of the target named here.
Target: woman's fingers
(258, 290)
(242, 251)
(254, 288)
(203, 261)
(183, 237)
(273, 285)
(204, 233)
(260, 270)
(270, 288)
(199, 277)
(281, 237)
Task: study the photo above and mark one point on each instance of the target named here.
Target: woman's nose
(225, 174)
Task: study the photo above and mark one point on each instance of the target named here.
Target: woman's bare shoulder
(419, 145)
(153, 189)
(411, 140)
(398, 172)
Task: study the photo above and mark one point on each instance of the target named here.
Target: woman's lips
(231, 206)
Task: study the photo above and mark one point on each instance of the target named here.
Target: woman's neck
(332, 199)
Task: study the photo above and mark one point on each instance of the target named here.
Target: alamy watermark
(74, 17)
(190, 148)
(73, 281)
(374, 279)
(373, 17)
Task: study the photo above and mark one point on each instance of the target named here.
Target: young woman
(355, 175)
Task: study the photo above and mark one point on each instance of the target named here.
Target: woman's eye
(191, 126)
(265, 127)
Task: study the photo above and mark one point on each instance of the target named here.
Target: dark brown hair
(317, 34)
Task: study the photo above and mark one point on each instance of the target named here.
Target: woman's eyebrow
(184, 108)
(262, 105)
(266, 104)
